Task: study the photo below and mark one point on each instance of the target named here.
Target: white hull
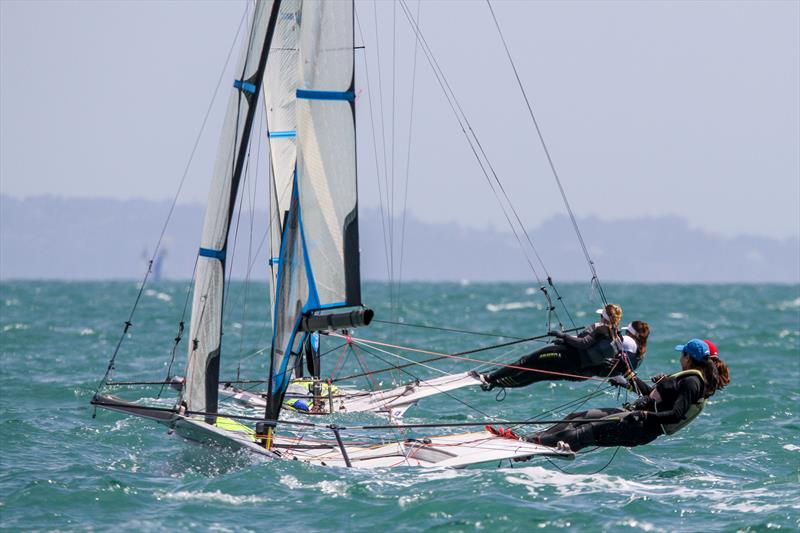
(446, 451)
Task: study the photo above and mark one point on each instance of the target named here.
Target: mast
(318, 262)
(200, 392)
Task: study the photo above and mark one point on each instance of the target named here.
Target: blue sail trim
(213, 254)
(274, 261)
(245, 86)
(308, 94)
(281, 134)
(279, 279)
(313, 295)
(280, 379)
(331, 305)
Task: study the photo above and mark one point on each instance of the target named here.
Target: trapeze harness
(694, 410)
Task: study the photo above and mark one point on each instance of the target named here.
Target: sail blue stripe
(279, 134)
(313, 295)
(274, 261)
(277, 375)
(332, 305)
(245, 86)
(213, 254)
(308, 94)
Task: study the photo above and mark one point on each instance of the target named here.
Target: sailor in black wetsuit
(593, 352)
(672, 403)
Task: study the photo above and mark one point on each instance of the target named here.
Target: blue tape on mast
(245, 86)
(213, 254)
(307, 94)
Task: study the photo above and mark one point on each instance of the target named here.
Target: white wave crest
(331, 488)
(753, 501)
(513, 306)
(10, 327)
(788, 304)
(215, 496)
(159, 295)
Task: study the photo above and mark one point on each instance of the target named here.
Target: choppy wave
(734, 468)
(215, 496)
(513, 306)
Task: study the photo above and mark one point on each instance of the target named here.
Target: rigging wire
(179, 334)
(389, 221)
(438, 358)
(453, 330)
(129, 323)
(483, 161)
(375, 151)
(549, 158)
(408, 155)
(446, 393)
(393, 292)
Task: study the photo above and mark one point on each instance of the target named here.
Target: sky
(647, 108)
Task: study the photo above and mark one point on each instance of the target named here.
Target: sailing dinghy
(304, 53)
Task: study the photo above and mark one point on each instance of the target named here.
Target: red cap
(712, 348)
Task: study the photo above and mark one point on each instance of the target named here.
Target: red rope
(341, 357)
(366, 368)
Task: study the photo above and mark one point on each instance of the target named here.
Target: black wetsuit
(611, 428)
(591, 353)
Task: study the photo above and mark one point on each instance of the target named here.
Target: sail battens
(282, 134)
(213, 254)
(308, 94)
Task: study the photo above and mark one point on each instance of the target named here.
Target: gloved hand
(635, 417)
(657, 378)
(618, 381)
(556, 334)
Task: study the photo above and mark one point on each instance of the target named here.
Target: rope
(446, 393)
(459, 357)
(236, 416)
(422, 326)
(440, 357)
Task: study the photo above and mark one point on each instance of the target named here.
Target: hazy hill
(59, 238)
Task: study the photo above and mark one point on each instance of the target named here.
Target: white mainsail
(319, 256)
(202, 373)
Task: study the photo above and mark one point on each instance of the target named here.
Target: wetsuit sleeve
(690, 390)
(643, 388)
(586, 339)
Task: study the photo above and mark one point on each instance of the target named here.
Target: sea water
(734, 468)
